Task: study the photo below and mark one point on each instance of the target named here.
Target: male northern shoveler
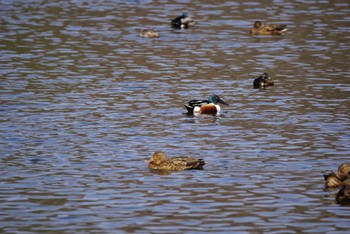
(182, 21)
(260, 28)
(343, 195)
(149, 33)
(263, 81)
(159, 161)
(209, 106)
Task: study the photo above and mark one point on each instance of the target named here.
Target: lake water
(84, 100)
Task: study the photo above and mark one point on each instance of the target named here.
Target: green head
(215, 99)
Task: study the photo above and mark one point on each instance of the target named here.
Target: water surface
(84, 100)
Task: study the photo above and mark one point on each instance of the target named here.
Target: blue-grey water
(84, 100)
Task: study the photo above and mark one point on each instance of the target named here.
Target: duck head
(184, 15)
(257, 24)
(215, 99)
(265, 75)
(157, 158)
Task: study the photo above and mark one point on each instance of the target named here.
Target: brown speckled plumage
(338, 178)
(344, 168)
(343, 196)
(335, 179)
(149, 33)
(260, 28)
(159, 161)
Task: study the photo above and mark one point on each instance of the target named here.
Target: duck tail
(201, 164)
(189, 109)
(282, 28)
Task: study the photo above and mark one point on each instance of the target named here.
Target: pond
(84, 100)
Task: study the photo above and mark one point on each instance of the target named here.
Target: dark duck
(182, 21)
(263, 81)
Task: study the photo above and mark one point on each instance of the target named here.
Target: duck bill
(147, 160)
(223, 102)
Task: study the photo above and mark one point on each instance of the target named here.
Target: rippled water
(84, 100)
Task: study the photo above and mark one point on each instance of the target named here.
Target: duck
(336, 179)
(343, 195)
(259, 28)
(344, 168)
(149, 33)
(209, 106)
(159, 161)
(182, 21)
(263, 81)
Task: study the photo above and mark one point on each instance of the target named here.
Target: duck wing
(186, 163)
(190, 163)
(193, 103)
(176, 23)
(197, 102)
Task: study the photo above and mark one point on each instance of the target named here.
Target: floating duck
(263, 81)
(260, 28)
(344, 168)
(209, 106)
(343, 195)
(159, 161)
(336, 179)
(149, 33)
(182, 21)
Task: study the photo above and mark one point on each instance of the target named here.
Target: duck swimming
(209, 106)
(338, 178)
(159, 161)
(343, 195)
(344, 168)
(182, 21)
(149, 33)
(260, 28)
(263, 81)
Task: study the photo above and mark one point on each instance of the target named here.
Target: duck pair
(211, 106)
(340, 179)
(180, 22)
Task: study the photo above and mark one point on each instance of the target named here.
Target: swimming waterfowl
(263, 81)
(343, 195)
(149, 33)
(209, 106)
(344, 168)
(182, 21)
(260, 28)
(336, 179)
(159, 161)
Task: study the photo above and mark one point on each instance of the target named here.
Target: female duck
(336, 179)
(149, 33)
(344, 168)
(209, 106)
(343, 195)
(159, 161)
(260, 28)
(263, 81)
(182, 21)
